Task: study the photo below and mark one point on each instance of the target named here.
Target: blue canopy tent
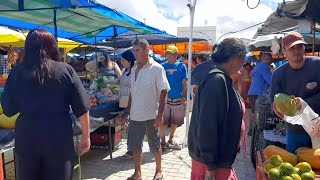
(77, 20)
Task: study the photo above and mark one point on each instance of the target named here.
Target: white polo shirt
(146, 89)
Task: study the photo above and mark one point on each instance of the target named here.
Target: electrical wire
(232, 32)
(254, 6)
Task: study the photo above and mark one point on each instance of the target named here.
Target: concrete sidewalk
(176, 163)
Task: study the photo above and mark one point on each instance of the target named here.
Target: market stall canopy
(298, 15)
(78, 20)
(197, 47)
(125, 40)
(273, 43)
(9, 37)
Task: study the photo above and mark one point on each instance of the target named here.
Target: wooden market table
(260, 175)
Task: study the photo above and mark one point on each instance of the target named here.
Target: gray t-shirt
(303, 83)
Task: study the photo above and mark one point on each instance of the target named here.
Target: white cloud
(227, 15)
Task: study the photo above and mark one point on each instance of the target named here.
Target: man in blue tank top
(175, 108)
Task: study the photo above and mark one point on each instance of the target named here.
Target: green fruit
(286, 178)
(314, 174)
(296, 171)
(266, 162)
(295, 176)
(304, 167)
(274, 174)
(307, 176)
(267, 167)
(276, 160)
(286, 169)
(285, 104)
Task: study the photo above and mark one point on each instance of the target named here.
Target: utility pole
(192, 6)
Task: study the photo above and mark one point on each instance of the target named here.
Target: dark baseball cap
(292, 38)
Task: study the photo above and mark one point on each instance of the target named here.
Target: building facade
(204, 32)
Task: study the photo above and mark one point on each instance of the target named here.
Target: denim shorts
(138, 129)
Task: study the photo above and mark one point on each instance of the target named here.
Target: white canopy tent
(298, 15)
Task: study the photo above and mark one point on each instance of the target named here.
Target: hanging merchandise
(12, 58)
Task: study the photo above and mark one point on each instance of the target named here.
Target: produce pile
(280, 129)
(283, 165)
(105, 83)
(103, 90)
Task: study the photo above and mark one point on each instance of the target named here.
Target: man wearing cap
(299, 78)
(174, 111)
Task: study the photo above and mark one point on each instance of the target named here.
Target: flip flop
(173, 145)
(158, 177)
(127, 157)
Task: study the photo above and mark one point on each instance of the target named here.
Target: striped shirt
(146, 89)
(125, 84)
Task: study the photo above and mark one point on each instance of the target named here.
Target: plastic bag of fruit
(309, 120)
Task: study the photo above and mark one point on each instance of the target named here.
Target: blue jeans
(295, 141)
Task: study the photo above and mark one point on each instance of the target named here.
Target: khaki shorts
(174, 114)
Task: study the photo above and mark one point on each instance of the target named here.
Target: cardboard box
(100, 137)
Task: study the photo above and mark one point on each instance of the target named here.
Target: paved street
(176, 164)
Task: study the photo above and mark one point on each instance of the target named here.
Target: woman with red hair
(42, 90)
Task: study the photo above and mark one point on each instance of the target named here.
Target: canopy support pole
(96, 52)
(189, 92)
(114, 43)
(21, 5)
(314, 38)
(55, 24)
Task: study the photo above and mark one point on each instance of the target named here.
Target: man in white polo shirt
(149, 88)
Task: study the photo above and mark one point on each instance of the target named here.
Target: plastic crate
(264, 116)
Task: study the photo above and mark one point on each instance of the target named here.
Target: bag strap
(213, 72)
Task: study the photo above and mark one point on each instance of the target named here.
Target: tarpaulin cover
(295, 15)
(77, 20)
(125, 40)
(9, 37)
(197, 47)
